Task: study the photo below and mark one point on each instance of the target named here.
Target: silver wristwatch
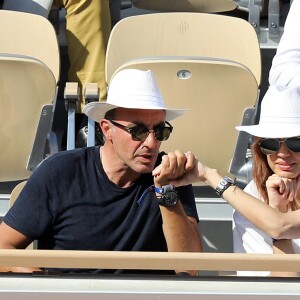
(225, 183)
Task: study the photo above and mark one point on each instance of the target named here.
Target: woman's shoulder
(251, 189)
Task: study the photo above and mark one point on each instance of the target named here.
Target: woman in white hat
(261, 228)
(276, 166)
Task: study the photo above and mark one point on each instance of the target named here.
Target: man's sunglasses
(141, 132)
(270, 146)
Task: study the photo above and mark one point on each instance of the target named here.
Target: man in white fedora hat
(105, 198)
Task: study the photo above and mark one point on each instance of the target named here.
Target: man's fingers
(173, 166)
(156, 171)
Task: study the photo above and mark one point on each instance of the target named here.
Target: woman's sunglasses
(141, 132)
(270, 146)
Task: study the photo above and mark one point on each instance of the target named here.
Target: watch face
(169, 199)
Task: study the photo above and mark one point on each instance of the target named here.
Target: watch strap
(224, 184)
(164, 189)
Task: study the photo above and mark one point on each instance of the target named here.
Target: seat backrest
(204, 6)
(30, 35)
(26, 86)
(209, 64)
(183, 34)
(29, 73)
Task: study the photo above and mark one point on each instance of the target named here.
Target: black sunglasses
(141, 132)
(270, 146)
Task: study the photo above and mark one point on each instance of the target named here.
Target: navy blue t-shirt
(69, 203)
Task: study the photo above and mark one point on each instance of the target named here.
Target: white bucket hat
(135, 89)
(280, 114)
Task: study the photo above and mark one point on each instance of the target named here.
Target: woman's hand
(281, 191)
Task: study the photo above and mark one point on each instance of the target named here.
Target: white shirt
(247, 238)
(285, 69)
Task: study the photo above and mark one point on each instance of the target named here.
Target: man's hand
(179, 169)
(173, 165)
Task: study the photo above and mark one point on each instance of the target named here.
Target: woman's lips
(285, 167)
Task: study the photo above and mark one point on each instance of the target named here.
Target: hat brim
(271, 130)
(97, 110)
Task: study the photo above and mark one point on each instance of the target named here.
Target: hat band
(281, 120)
(133, 101)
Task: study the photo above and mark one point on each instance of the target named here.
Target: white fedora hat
(280, 114)
(134, 89)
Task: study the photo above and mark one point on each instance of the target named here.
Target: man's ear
(106, 128)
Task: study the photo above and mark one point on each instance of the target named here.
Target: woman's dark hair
(261, 172)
